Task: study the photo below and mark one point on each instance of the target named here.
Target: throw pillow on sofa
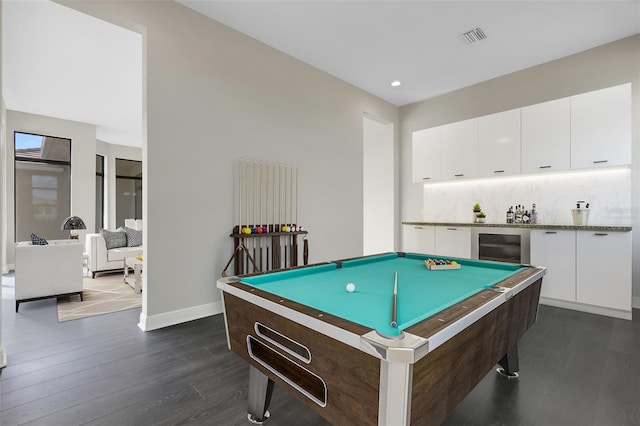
(134, 237)
(38, 241)
(114, 239)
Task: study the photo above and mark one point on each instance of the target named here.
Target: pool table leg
(259, 395)
(509, 366)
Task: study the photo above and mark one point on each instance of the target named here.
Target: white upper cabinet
(546, 136)
(601, 127)
(425, 158)
(584, 131)
(499, 143)
(459, 149)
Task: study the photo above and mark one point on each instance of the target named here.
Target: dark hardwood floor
(575, 369)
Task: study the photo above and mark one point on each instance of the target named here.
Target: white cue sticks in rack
(267, 203)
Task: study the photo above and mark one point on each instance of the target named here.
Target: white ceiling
(371, 43)
(65, 64)
(61, 63)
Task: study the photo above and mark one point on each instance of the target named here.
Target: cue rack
(266, 235)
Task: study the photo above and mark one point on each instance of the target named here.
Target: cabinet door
(555, 250)
(546, 136)
(601, 127)
(425, 160)
(499, 143)
(453, 241)
(419, 239)
(603, 265)
(460, 149)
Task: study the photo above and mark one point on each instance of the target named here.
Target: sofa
(107, 257)
(50, 269)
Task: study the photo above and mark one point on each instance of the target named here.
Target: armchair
(51, 270)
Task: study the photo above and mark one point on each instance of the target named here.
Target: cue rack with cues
(266, 235)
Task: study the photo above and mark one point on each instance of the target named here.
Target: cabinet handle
(551, 232)
(452, 229)
(459, 175)
(600, 234)
(418, 227)
(544, 167)
(600, 161)
(498, 171)
(426, 178)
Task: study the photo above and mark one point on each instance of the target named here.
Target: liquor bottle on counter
(510, 215)
(534, 215)
(525, 216)
(518, 215)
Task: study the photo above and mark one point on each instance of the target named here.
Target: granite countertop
(603, 228)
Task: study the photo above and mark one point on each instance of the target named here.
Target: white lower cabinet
(419, 239)
(453, 241)
(603, 269)
(586, 270)
(555, 250)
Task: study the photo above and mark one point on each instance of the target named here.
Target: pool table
(338, 352)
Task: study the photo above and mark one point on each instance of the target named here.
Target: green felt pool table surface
(421, 292)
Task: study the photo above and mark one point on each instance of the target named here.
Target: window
(42, 185)
(128, 190)
(99, 192)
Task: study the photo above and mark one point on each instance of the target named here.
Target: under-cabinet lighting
(614, 171)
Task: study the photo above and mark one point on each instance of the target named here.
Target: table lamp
(72, 224)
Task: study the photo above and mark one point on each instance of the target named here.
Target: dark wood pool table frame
(350, 374)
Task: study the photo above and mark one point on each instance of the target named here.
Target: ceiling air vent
(474, 36)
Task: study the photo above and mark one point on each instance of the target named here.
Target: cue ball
(351, 287)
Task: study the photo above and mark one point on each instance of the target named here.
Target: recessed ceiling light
(396, 83)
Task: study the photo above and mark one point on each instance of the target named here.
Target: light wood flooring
(575, 369)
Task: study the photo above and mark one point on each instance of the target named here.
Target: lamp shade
(73, 222)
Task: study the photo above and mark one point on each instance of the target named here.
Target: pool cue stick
(297, 224)
(273, 210)
(286, 242)
(246, 204)
(279, 214)
(280, 197)
(253, 206)
(266, 209)
(394, 306)
(241, 240)
(292, 246)
(260, 224)
(240, 196)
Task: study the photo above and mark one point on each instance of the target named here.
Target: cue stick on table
(394, 306)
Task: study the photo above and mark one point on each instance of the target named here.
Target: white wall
(379, 184)
(214, 96)
(608, 65)
(83, 166)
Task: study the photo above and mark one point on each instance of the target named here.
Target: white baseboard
(635, 302)
(166, 319)
(615, 313)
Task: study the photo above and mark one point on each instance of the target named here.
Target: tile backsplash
(607, 190)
